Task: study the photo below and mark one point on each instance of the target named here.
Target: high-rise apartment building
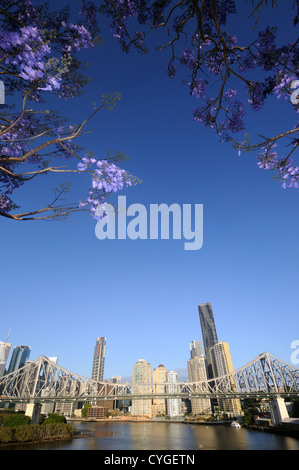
(159, 378)
(196, 349)
(4, 353)
(222, 366)
(19, 357)
(209, 334)
(197, 373)
(99, 360)
(173, 404)
(141, 384)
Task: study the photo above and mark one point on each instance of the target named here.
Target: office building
(197, 373)
(96, 412)
(19, 357)
(66, 409)
(99, 360)
(4, 353)
(209, 334)
(222, 366)
(141, 384)
(159, 380)
(173, 405)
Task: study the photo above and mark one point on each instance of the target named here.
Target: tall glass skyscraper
(99, 360)
(19, 357)
(209, 334)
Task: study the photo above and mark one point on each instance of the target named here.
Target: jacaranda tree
(226, 75)
(38, 50)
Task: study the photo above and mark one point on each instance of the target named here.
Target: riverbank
(135, 419)
(274, 430)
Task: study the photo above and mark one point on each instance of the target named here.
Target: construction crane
(7, 336)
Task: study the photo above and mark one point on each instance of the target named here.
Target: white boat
(235, 424)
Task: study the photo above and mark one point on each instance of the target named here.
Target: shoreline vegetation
(33, 433)
(15, 428)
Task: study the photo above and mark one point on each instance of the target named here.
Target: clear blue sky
(61, 287)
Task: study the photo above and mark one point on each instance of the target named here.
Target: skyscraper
(99, 360)
(159, 377)
(4, 353)
(197, 373)
(141, 380)
(209, 334)
(223, 366)
(173, 404)
(19, 357)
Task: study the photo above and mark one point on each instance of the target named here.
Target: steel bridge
(43, 381)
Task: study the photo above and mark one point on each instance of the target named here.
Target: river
(130, 436)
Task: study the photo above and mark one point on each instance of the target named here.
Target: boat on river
(235, 424)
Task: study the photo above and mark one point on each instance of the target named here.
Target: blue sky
(61, 287)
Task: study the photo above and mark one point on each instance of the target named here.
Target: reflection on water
(166, 436)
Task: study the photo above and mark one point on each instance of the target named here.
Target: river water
(132, 436)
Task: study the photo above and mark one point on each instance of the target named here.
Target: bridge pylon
(278, 411)
(33, 411)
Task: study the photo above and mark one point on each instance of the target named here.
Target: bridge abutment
(33, 410)
(278, 411)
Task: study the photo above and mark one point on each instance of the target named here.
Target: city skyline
(209, 362)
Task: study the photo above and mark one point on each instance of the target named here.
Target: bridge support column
(278, 411)
(33, 410)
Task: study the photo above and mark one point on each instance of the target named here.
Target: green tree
(85, 410)
(54, 418)
(15, 420)
(4, 414)
(6, 434)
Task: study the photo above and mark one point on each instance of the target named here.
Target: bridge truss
(44, 381)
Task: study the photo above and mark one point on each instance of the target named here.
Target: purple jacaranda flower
(198, 88)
